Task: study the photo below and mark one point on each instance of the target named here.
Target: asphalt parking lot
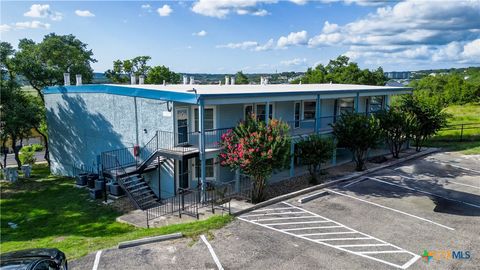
(385, 220)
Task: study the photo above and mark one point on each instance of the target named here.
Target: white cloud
(265, 47)
(408, 32)
(43, 11)
(249, 45)
(146, 7)
(409, 22)
(362, 2)
(294, 62)
(84, 13)
(294, 38)
(472, 50)
(164, 11)
(260, 12)
(299, 2)
(201, 33)
(240, 45)
(31, 25)
(5, 28)
(222, 8)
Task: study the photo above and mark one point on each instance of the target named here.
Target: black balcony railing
(309, 126)
(123, 157)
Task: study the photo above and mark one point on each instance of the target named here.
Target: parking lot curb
(149, 240)
(350, 177)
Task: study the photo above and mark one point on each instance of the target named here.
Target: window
(208, 121)
(261, 112)
(345, 105)
(209, 168)
(248, 111)
(296, 115)
(258, 110)
(309, 108)
(375, 104)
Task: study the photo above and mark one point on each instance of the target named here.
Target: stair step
(135, 179)
(145, 187)
(142, 193)
(134, 185)
(147, 198)
(147, 203)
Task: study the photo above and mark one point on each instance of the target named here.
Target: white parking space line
(97, 260)
(453, 165)
(462, 184)
(212, 252)
(309, 228)
(328, 233)
(355, 182)
(425, 192)
(392, 209)
(280, 218)
(447, 181)
(364, 245)
(295, 223)
(273, 214)
(383, 251)
(336, 242)
(272, 209)
(342, 239)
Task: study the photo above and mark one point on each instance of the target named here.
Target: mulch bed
(300, 182)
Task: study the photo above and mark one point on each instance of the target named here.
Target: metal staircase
(139, 191)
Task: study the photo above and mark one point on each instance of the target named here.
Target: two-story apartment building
(169, 133)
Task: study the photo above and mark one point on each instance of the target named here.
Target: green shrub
(37, 147)
(313, 152)
(397, 128)
(358, 133)
(27, 157)
(26, 148)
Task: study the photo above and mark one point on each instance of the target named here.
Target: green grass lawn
(450, 139)
(51, 212)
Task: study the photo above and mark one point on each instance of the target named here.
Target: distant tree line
(341, 70)
(123, 69)
(452, 88)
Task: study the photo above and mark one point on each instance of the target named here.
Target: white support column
(237, 180)
(201, 120)
(387, 102)
(318, 114)
(357, 101)
(267, 112)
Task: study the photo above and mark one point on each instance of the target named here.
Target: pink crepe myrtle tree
(257, 150)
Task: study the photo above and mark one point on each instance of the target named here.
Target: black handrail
(119, 179)
(148, 150)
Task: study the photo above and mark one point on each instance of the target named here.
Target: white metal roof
(211, 89)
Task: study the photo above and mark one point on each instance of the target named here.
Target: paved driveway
(385, 220)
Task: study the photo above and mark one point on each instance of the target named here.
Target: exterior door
(182, 125)
(183, 175)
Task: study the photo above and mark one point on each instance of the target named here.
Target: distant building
(398, 75)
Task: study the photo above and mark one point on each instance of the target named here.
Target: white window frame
(338, 105)
(300, 114)
(303, 109)
(176, 123)
(206, 107)
(254, 106)
(194, 171)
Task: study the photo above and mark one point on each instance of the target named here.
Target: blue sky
(259, 35)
